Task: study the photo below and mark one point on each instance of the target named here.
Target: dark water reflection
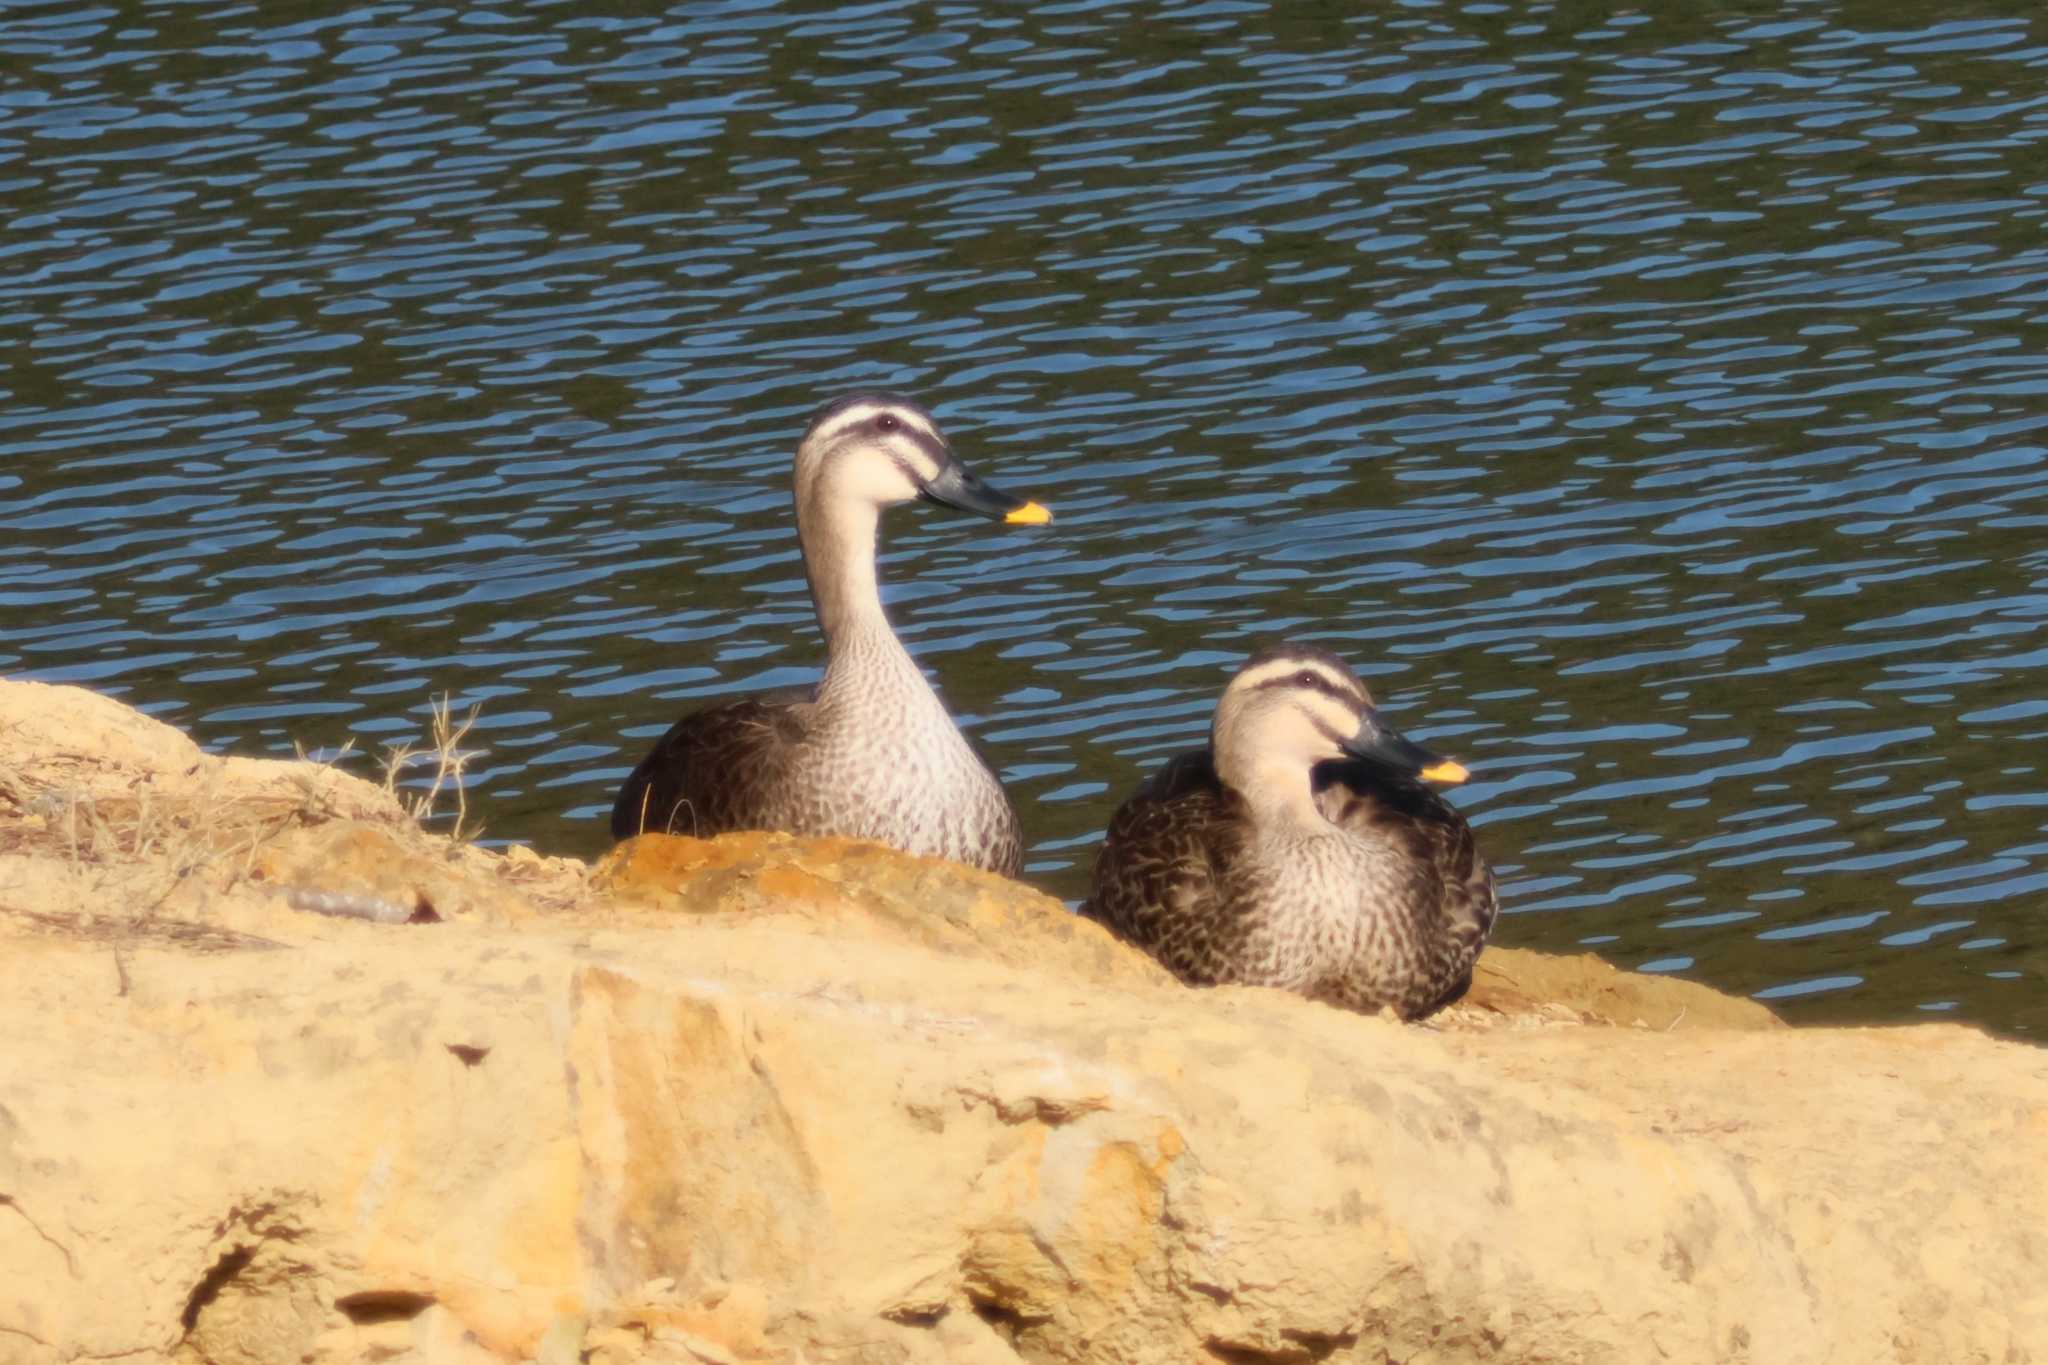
(1651, 404)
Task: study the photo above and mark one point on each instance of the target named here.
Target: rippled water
(1650, 404)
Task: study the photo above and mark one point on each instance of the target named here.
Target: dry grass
(448, 760)
(138, 849)
(182, 824)
(119, 860)
(97, 852)
(177, 830)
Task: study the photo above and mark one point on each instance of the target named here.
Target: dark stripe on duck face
(1298, 656)
(868, 410)
(830, 414)
(1309, 678)
(1335, 739)
(933, 448)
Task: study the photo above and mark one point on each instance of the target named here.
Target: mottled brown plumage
(871, 752)
(683, 786)
(1361, 886)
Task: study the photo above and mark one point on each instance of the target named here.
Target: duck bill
(959, 489)
(1377, 744)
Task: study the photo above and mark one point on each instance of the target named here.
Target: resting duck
(870, 752)
(1301, 850)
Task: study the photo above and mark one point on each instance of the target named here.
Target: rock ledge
(763, 1099)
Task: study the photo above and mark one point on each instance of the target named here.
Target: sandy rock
(69, 739)
(116, 826)
(778, 1121)
(1515, 987)
(851, 884)
(395, 874)
(66, 747)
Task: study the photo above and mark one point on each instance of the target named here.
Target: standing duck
(1301, 850)
(870, 752)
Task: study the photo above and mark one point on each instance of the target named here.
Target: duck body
(871, 752)
(1361, 887)
(874, 757)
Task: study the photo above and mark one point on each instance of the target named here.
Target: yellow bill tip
(1446, 771)
(1030, 514)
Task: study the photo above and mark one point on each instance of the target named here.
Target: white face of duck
(876, 450)
(1289, 710)
(1295, 706)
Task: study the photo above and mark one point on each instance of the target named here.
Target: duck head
(876, 450)
(1292, 706)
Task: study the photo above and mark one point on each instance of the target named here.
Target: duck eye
(887, 423)
(1306, 678)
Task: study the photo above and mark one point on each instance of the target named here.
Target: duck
(1302, 848)
(870, 752)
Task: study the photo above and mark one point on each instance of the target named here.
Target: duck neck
(839, 559)
(1278, 792)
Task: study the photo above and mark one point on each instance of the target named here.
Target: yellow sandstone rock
(741, 1101)
(843, 885)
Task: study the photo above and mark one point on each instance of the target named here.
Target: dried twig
(450, 761)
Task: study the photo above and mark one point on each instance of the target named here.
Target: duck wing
(715, 770)
(1157, 881)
